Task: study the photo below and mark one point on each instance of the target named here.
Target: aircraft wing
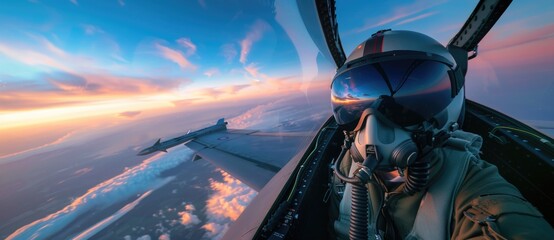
(251, 156)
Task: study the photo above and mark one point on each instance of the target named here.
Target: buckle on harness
(479, 216)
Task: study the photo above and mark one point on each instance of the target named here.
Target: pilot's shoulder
(485, 193)
(487, 199)
(483, 178)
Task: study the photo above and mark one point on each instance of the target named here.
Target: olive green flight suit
(484, 206)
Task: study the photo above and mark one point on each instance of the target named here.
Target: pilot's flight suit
(467, 198)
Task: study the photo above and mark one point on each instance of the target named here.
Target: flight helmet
(405, 76)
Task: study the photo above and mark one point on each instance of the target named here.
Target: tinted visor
(411, 91)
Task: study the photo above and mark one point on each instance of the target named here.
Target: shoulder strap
(435, 212)
(465, 141)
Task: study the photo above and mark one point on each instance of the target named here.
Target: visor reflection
(416, 87)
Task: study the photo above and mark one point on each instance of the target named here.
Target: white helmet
(407, 76)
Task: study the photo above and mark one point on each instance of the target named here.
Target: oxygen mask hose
(418, 175)
(359, 216)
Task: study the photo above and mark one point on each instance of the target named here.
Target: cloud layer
(188, 45)
(226, 204)
(141, 178)
(187, 217)
(176, 57)
(255, 34)
(129, 114)
(401, 15)
(62, 88)
(90, 232)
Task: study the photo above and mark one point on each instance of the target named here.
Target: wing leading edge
(251, 156)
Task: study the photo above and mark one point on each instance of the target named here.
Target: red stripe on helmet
(379, 43)
(374, 45)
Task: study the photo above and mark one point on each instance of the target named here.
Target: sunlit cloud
(176, 57)
(418, 17)
(129, 114)
(187, 44)
(255, 34)
(32, 58)
(46, 56)
(62, 88)
(225, 205)
(141, 178)
(210, 92)
(185, 102)
(253, 69)
(215, 230)
(399, 13)
(276, 83)
(91, 29)
(218, 92)
(284, 83)
(74, 2)
(235, 88)
(39, 149)
(73, 83)
(89, 110)
(47, 44)
(212, 72)
(30, 108)
(187, 218)
(289, 107)
(229, 52)
(190, 207)
(255, 116)
(96, 228)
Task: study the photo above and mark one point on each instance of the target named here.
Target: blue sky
(132, 39)
(88, 57)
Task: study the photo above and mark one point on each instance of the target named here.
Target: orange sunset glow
(85, 86)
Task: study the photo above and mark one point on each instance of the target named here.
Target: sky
(91, 57)
(70, 65)
(68, 60)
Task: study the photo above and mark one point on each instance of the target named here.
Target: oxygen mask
(392, 146)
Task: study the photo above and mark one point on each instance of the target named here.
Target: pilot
(406, 170)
